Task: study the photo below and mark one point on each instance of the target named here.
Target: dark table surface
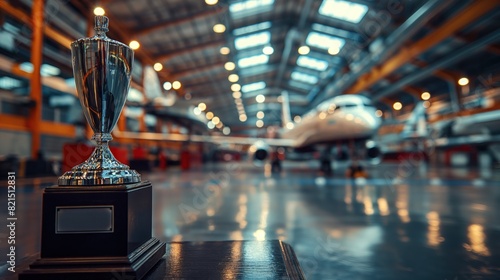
(271, 259)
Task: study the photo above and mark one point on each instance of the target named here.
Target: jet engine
(373, 152)
(259, 152)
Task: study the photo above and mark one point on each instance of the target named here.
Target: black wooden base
(101, 232)
(134, 266)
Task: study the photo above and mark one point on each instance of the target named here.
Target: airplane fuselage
(339, 118)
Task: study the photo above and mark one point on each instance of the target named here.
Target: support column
(35, 115)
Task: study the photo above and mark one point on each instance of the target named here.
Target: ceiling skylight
(324, 41)
(261, 38)
(253, 86)
(252, 28)
(344, 10)
(9, 83)
(253, 60)
(302, 77)
(249, 7)
(312, 63)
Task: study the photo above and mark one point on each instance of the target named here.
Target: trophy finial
(101, 25)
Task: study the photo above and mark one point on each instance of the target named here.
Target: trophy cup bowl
(102, 70)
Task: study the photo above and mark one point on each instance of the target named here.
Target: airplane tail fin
(416, 125)
(285, 108)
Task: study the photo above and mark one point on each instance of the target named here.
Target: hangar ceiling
(389, 50)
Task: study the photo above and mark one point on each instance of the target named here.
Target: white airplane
(339, 120)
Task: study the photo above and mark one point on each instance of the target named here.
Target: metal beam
(22, 16)
(405, 55)
(163, 25)
(292, 35)
(442, 63)
(188, 50)
(392, 43)
(35, 115)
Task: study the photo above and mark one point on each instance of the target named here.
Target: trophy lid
(101, 24)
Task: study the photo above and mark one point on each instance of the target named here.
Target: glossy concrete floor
(406, 221)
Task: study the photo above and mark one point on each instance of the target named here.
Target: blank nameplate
(84, 219)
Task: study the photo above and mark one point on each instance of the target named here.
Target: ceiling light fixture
(202, 106)
(268, 50)
(237, 94)
(463, 81)
(233, 78)
(98, 11)
(229, 66)
(260, 98)
(167, 85)
(397, 106)
(134, 45)
(219, 28)
(211, 2)
(176, 85)
(158, 66)
(224, 50)
(235, 87)
(304, 50)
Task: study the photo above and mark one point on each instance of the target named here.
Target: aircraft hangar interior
(250, 139)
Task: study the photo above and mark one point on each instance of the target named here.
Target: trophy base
(134, 266)
(99, 177)
(96, 232)
(101, 168)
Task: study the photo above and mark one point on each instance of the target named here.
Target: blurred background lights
(333, 50)
(260, 98)
(226, 130)
(268, 50)
(176, 85)
(463, 81)
(229, 66)
(304, 50)
(235, 87)
(215, 120)
(224, 50)
(219, 28)
(98, 11)
(158, 66)
(297, 119)
(209, 115)
(397, 106)
(379, 113)
(237, 94)
(233, 78)
(425, 95)
(260, 115)
(202, 106)
(134, 45)
(167, 85)
(259, 123)
(211, 2)
(243, 118)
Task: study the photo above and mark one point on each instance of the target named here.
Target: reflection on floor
(406, 221)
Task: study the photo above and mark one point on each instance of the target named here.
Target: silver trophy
(102, 69)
